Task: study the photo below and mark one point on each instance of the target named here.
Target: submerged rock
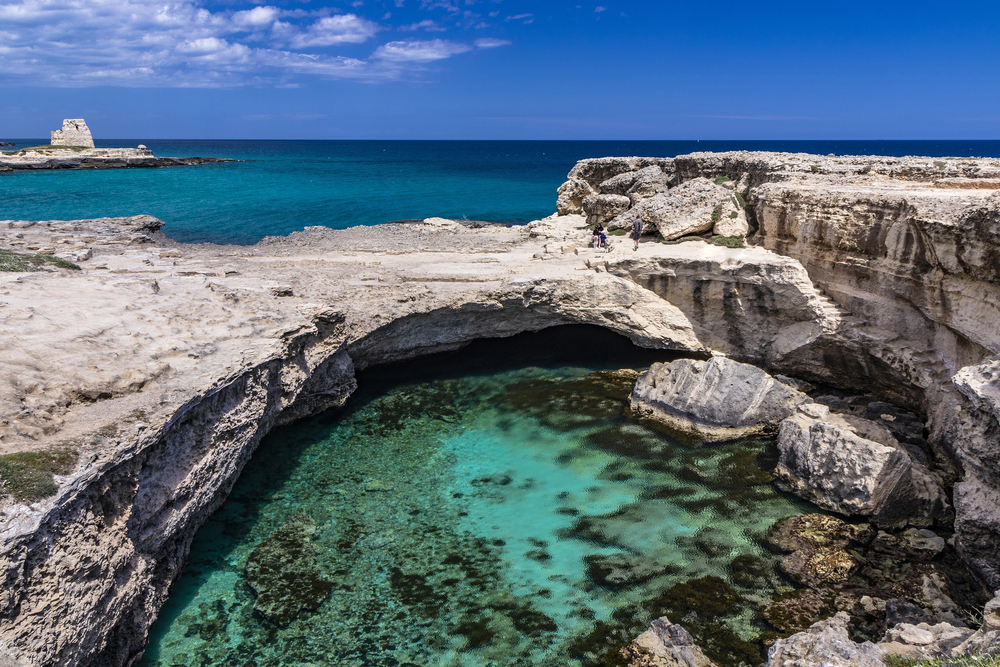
(283, 572)
(718, 399)
(913, 543)
(811, 531)
(820, 567)
(665, 644)
(825, 643)
(797, 611)
(616, 570)
(819, 543)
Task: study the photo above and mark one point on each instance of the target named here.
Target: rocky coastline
(160, 366)
(55, 157)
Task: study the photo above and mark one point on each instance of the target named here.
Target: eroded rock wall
(919, 270)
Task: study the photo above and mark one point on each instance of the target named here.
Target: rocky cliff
(905, 250)
(161, 366)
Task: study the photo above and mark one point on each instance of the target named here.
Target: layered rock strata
(162, 366)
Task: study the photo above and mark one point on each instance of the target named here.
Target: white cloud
(600, 9)
(417, 51)
(257, 17)
(179, 43)
(525, 18)
(490, 43)
(439, 4)
(426, 24)
(338, 29)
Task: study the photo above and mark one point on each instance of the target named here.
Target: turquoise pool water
(516, 517)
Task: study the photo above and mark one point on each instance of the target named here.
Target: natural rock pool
(511, 516)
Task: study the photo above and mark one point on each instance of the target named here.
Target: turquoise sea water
(282, 186)
(506, 517)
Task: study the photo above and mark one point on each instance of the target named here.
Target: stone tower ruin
(74, 132)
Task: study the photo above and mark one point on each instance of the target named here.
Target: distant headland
(72, 147)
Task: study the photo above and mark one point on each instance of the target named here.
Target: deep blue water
(282, 186)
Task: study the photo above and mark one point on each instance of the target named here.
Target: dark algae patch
(516, 517)
(283, 572)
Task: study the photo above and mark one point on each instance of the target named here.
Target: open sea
(280, 187)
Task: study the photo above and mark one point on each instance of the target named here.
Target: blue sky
(501, 69)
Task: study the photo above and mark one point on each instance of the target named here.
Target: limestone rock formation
(74, 132)
(284, 574)
(743, 302)
(570, 196)
(690, 208)
(601, 208)
(638, 185)
(665, 644)
(649, 181)
(718, 399)
(55, 157)
(824, 460)
(598, 170)
(923, 641)
(842, 463)
(622, 183)
(914, 543)
(826, 643)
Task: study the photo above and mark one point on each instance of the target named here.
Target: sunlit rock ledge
(162, 365)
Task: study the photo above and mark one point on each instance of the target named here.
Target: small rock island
(72, 147)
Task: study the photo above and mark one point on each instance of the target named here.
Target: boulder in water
(718, 399)
(824, 459)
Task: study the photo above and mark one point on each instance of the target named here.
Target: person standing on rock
(636, 231)
(598, 233)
